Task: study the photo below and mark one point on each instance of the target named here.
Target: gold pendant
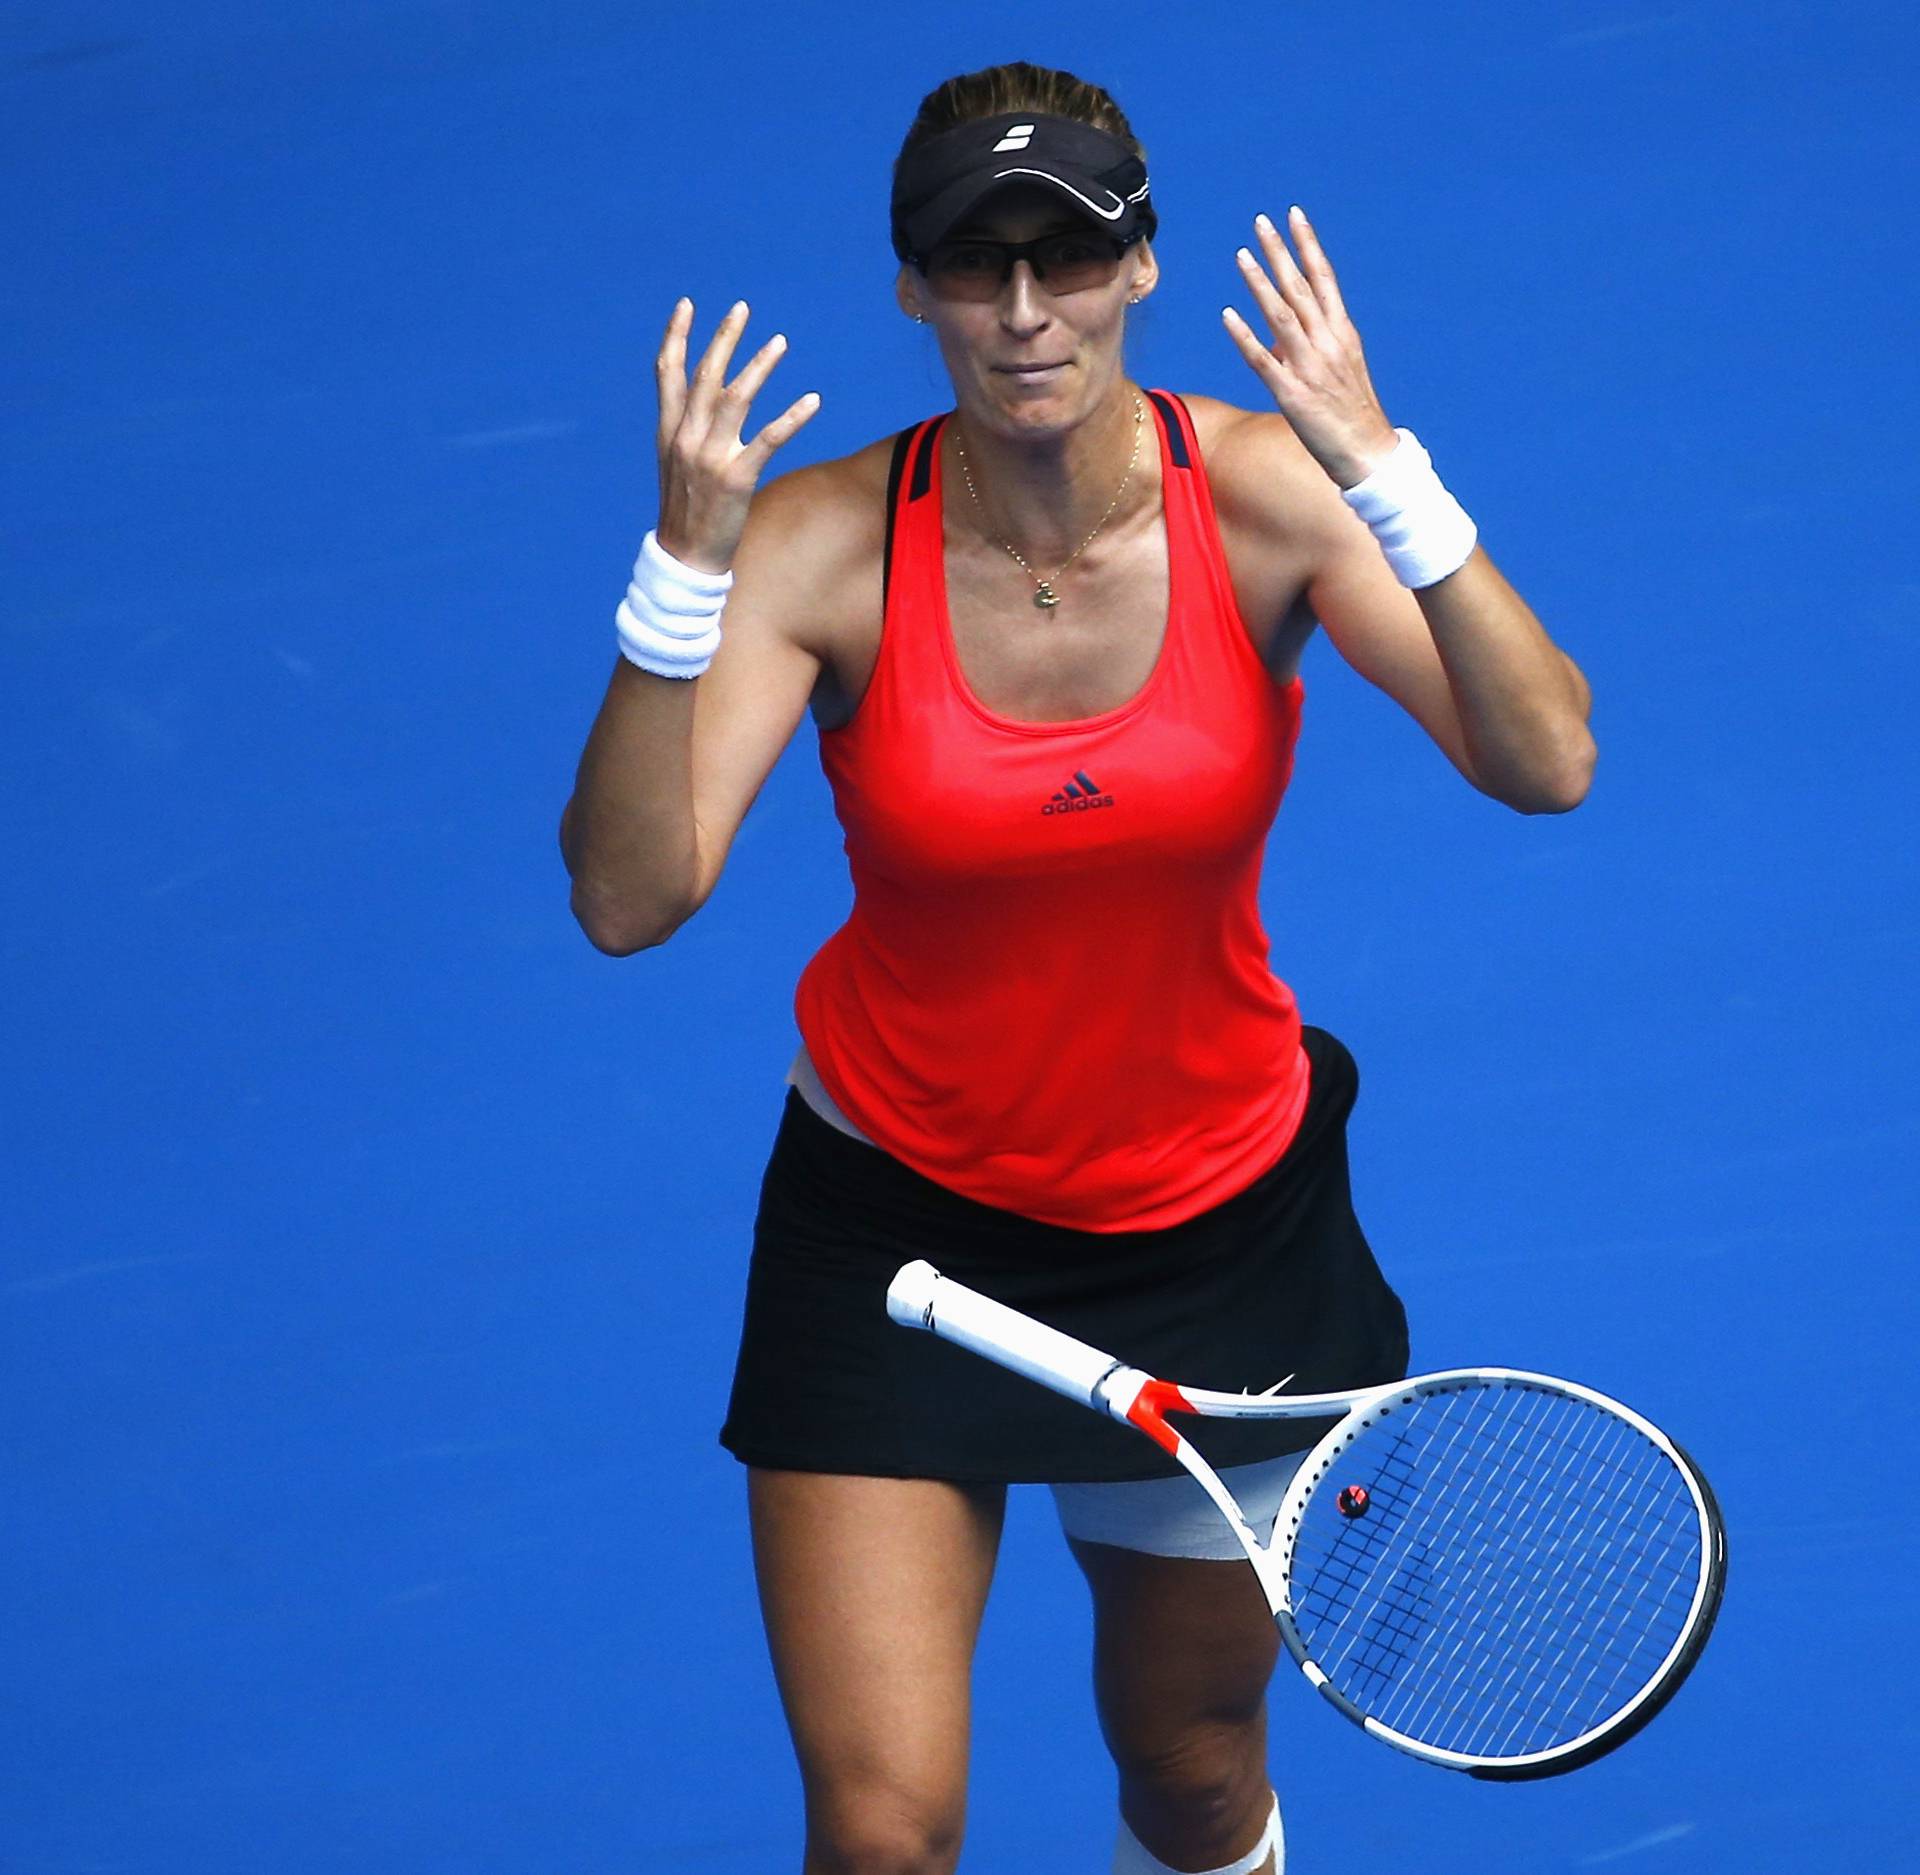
(1045, 597)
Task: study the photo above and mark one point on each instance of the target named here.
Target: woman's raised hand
(1314, 367)
(707, 474)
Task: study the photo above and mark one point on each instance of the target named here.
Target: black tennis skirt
(1276, 1280)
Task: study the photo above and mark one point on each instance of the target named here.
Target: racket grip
(920, 1297)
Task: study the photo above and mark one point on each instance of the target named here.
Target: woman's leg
(872, 1590)
(1183, 1652)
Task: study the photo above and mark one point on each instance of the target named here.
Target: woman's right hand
(707, 475)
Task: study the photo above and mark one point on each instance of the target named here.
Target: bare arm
(666, 752)
(1465, 655)
(628, 834)
(1470, 661)
(665, 784)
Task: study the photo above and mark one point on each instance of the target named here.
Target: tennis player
(1051, 641)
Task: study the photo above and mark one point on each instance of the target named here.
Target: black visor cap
(1094, 173)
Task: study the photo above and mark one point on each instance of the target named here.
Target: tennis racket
(1494, 1571)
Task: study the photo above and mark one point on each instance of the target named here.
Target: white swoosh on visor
(1114, 213)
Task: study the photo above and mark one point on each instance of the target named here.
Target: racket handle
(920, 1297)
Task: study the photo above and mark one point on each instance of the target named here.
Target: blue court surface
(373, 1247)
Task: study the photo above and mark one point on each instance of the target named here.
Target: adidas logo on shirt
(1079, 794)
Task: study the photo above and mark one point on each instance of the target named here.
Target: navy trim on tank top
(1176, 431)
(923, 462)
(901, 444)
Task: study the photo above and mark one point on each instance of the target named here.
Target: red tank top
(1052, 993)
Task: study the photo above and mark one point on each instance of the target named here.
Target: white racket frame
(920, 1297)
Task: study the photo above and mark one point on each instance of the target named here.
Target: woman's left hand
(1314, 367)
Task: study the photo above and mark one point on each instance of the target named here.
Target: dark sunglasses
(1062, 263)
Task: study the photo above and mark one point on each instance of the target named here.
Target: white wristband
(669, 622)
(1423, 531)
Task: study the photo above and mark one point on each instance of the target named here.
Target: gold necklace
(1044, 595)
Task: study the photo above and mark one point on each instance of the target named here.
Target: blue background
(373, 1247)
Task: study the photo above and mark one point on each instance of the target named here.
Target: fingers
(707, 475)
(1314, 365)
(708, 404)
(1294, 287)
(734, 400)
(670, 368)
(710, 373)
(1314, 259)
(1269, 369)
(1306, 301)
(1291, 311)
(1280, 317)
(781, 429)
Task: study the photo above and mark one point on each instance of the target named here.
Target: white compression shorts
(1173, 1516)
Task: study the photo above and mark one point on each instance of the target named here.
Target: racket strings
(1545, 1576)
(1406, 1616)
(1550, 1577)
(1526, 1563)
(1484, 1555)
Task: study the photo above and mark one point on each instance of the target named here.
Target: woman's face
(1028, 362)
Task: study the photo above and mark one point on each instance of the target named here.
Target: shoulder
(816, 513)
(1282, 522)
(1264, 482)
(813, 541)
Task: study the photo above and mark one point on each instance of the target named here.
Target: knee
(1207, 1774)
(881, 1831)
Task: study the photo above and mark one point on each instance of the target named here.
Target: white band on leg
(1130, 1859)
(1422, 530)
(1172, 1516)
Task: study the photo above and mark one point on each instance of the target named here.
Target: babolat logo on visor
(940, 181)
(1080, 793)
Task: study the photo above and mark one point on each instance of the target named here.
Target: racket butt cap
(910, 1294)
